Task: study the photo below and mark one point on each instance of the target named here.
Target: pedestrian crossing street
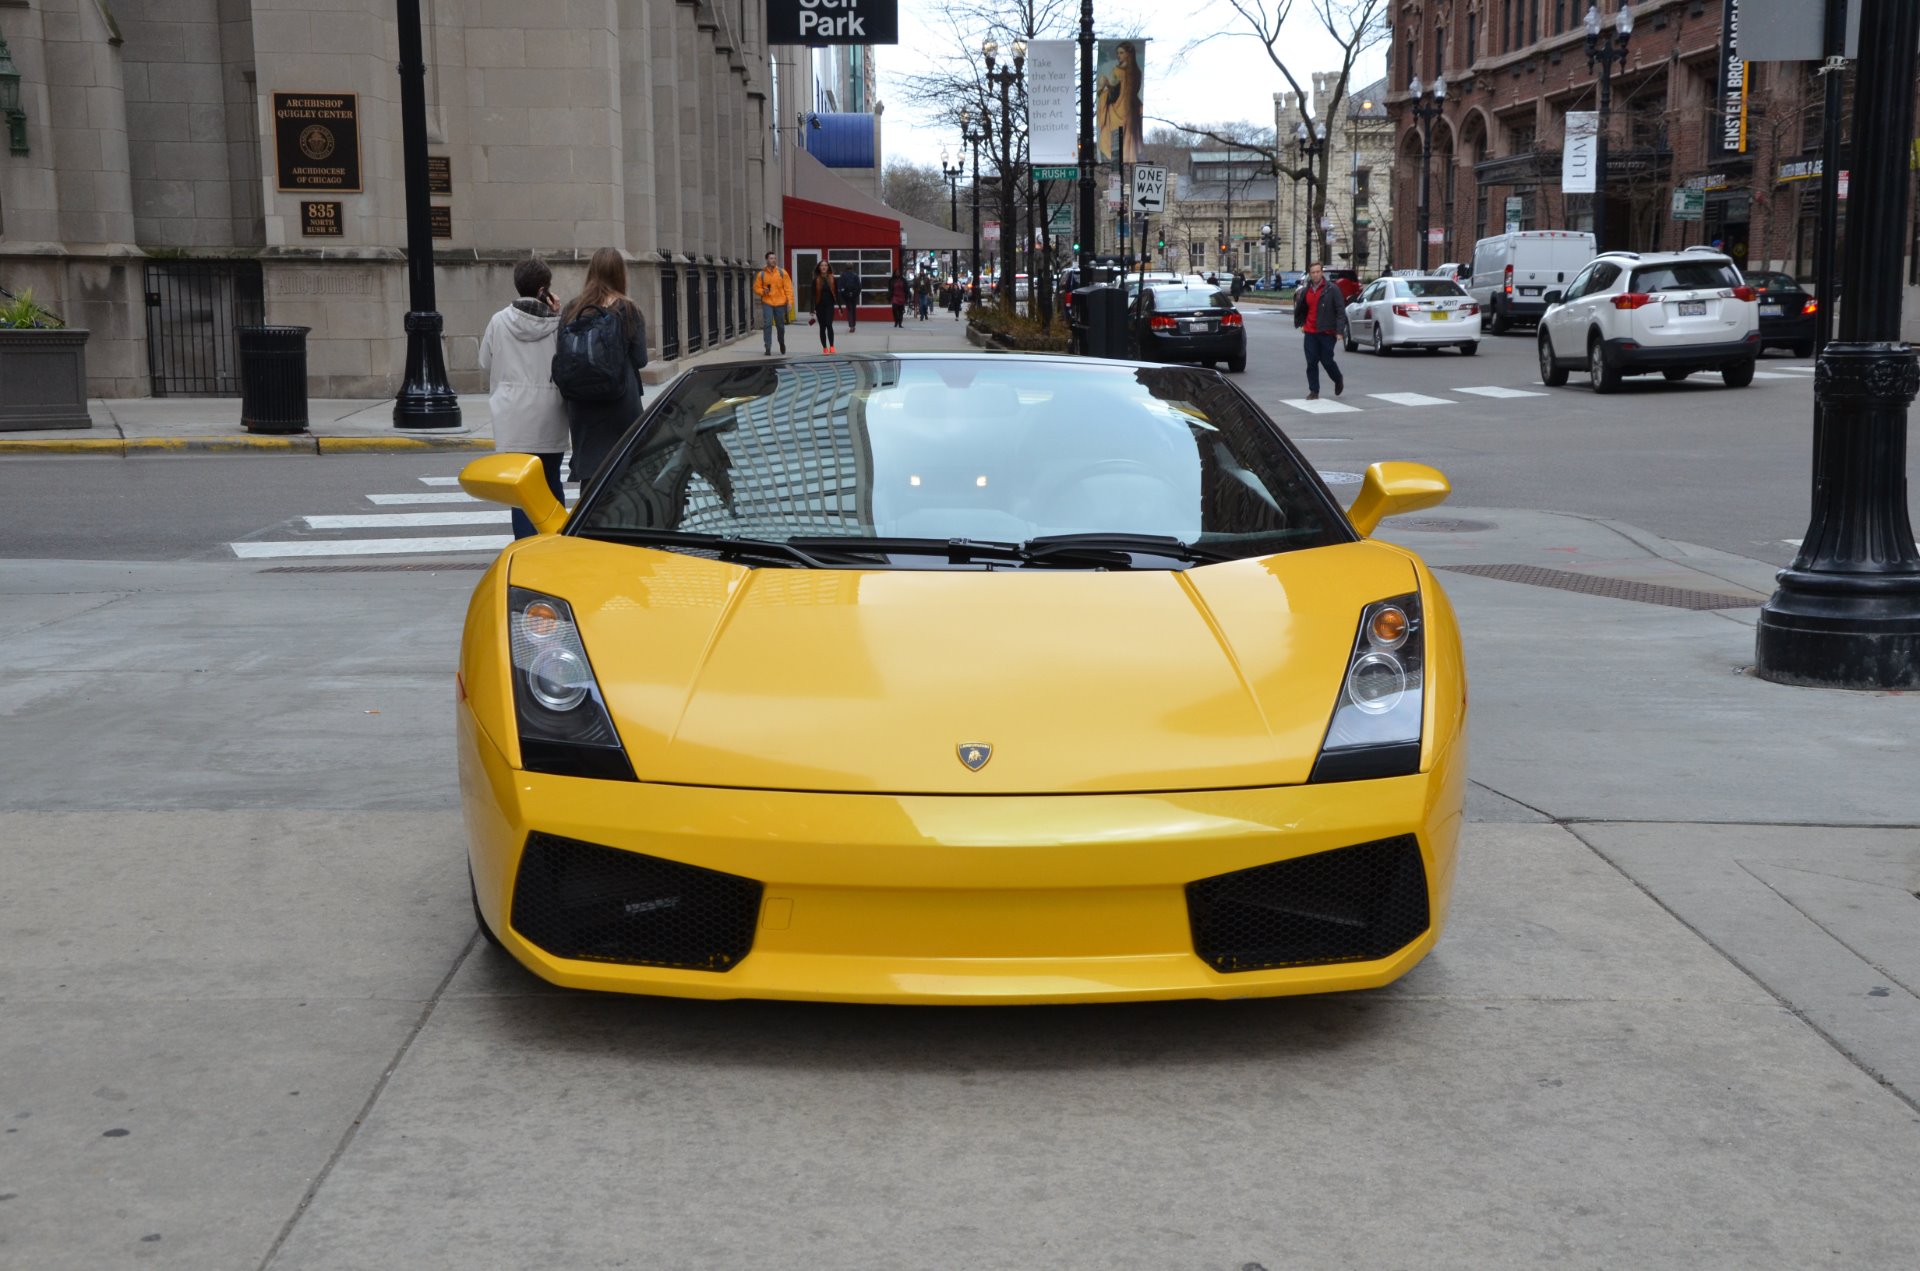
(402, 530)
(1353, 402)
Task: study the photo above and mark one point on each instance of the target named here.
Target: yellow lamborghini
(960, 679)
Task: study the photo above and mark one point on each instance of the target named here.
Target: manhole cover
(1342, 478)
(1438, 525)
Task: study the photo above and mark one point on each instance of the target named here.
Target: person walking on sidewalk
(1320, 311)
(848, 287)
(596, 364)
(898, 293)
(824, 303)
(922, 297)
(517, 354)
(773, 287)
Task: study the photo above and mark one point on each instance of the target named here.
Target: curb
(295, 444)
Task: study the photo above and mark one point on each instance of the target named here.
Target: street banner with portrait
(1053, 96)
(1118, 108)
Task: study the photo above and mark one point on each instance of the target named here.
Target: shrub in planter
(1017, 330)
(43, 368)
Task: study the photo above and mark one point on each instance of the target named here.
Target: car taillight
(1812, 306)
(1161, 324)
(1231, 320)
(1403, 311)
(1470, 309)
(1631, 300)
(1743, 293)
(1509, 280)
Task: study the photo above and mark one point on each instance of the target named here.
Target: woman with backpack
(825, 297)
(897, 294)
(603, 345)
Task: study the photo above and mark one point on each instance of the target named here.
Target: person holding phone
(517, 354)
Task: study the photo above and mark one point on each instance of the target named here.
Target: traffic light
(1163, 241)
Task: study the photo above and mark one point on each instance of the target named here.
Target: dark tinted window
(1685, 275)
(1429, 288)
(1001, 449)
(1773, 282)
(1166, 298)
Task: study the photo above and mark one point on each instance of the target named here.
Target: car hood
(871, 681)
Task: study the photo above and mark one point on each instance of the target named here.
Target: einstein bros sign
(833, 21)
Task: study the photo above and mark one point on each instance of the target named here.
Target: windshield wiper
(956, 550)
(1103, 543)
(724, 546)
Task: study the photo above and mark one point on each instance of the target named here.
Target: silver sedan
(1401, 313)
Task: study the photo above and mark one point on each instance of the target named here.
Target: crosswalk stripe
(390, 500)
(1799, 370)
(1775, 375)
(384, 520)
(1413, 399)
(572, 487)
(371, 546)
(1321, 407)
(1490, 390)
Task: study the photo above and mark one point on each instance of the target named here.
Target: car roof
(1668, 258)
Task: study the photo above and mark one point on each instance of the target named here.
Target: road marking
(1342, 478)
(1413, 399)
(1493, 391)
(1800, 370)
(1321, 407)
(372, 546)
(383, 520)
(1775, 375)
(389, 500)
(571, 487)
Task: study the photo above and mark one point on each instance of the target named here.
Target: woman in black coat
(596, 425)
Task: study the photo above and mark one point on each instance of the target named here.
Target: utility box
(1100, 321)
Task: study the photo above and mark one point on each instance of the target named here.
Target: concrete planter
(43, 379)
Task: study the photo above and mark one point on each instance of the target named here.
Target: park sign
(833, 21)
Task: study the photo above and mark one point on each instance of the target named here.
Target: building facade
(1359, 205)
(1683, 116)
(203, 163)
(1218, 212)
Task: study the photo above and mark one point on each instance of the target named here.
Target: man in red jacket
(1321, 312)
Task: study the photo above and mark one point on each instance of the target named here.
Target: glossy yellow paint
(517, 481)
(1394, 488)
(799, 727)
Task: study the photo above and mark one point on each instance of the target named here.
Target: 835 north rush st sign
(833, 21)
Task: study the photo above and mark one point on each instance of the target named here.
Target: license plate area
(1440, 315)
(1529, 291)
(1771, 311)
(1693, 308)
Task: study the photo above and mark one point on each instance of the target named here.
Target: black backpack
(590, 361)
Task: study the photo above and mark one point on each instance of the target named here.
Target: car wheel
(1803, 349)
(479, 918)
(1486, 312)
(1738, 374)
(1551, 375)
(1677, 374)
(1501, 322)
(1470, 348)
(1353, 345)
(1237, 363)
(1600, 369)
(1379, 342)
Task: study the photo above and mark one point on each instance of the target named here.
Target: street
(250, 1024)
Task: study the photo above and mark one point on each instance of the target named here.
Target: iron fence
(192, 308)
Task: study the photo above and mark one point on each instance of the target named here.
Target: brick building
(1515, 68)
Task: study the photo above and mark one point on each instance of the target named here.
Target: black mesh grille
(1353, 904)
(580, 900)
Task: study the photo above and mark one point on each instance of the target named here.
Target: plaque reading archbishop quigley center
(316, 139)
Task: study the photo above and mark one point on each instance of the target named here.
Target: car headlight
(1377, 718)
(564, 726)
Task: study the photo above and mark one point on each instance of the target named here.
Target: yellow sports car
(960, 679)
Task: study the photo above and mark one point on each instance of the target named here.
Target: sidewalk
(211, 425)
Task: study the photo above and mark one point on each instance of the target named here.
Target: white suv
(1630, 313)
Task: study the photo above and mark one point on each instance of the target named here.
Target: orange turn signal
(542, 618)
(1389, 626)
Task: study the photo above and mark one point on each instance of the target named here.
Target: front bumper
(945, 899)
(1630, 356)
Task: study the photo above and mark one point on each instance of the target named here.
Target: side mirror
(1555, 297)
(518, 482)
(1393, 489)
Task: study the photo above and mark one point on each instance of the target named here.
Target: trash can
(273, 378)
(1100, 320)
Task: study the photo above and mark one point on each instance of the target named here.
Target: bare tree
(917, 190)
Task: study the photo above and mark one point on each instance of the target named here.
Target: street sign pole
(1833, 77)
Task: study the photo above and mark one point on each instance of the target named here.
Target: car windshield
(1684, 275)
(1430, 288)
(1189, 298)
(933, 462)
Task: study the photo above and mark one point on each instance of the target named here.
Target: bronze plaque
(439, 174)
(319, 220)
(316, 139)
(440, 217)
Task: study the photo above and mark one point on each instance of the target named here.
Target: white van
(1512, 273)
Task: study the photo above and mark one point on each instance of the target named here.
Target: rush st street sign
(833, 21)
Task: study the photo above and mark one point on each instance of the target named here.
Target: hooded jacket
(517, 354)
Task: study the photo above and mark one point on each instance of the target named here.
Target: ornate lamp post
(425, 399)
(1006, 78)
(953, 174)
(1310, 145)
(973, 136)
(1847, 612)
(1608, 47)
(1087, 153)
(1427, 105)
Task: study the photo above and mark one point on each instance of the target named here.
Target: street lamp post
(425, 399)
(953, 173)
(1006, 78)
(1847, 612)
(1087, 153)
(1427, 105)
(973, 137)
(1310, 145)
(1607, 46)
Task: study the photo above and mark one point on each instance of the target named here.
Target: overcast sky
(1227, 78)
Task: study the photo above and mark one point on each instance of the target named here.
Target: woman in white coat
(517, 355)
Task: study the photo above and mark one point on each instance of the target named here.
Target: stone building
(1217, 210)
(200, 163)
(1359, 182)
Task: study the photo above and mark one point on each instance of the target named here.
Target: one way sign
(1149, 189)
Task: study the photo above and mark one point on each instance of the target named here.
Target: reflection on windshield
(998, 450)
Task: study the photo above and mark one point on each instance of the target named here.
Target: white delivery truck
(1512, 273)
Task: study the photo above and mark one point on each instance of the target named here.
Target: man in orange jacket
(774, 287)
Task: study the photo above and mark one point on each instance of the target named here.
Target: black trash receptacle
(273, 378)
(1100, 319)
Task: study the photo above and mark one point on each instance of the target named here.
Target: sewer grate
(1613, 588)
(410, 567)
(1438, 525)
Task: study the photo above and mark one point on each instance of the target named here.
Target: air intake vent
(1353, 904)
(581, 900)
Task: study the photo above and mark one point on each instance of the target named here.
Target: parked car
(1288, 279)
(1456, 270)
(1181, 323)
(1512, 273)
(1348, 280)
(1631, 313)
(1787, 312)
(1419, 312)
